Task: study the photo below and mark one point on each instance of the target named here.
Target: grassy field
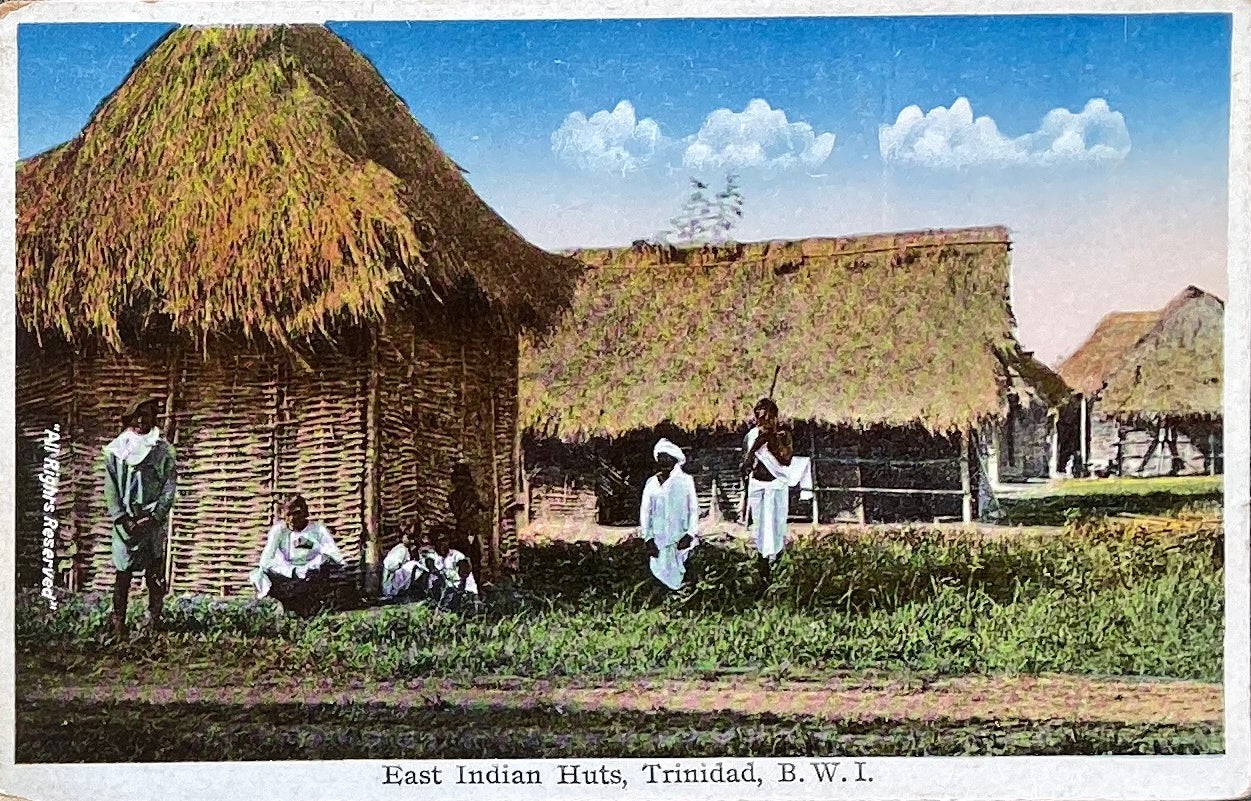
(1181, 486)
(1065, 501)
(1099, 600)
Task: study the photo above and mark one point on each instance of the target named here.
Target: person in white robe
(452, 582)
(771, 469)
(669, 515)
(405, 572)
(296, 559)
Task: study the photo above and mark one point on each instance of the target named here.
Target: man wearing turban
(669, 515)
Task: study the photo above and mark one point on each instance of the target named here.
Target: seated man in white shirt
(452, 581)
(297, 561)
(405, 570)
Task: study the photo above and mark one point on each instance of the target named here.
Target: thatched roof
(1175, 370)
(264, 180)
(890, 329)
(1087, 370)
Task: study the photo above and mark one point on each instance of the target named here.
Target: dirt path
(846, 698)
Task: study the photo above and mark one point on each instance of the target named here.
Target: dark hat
(155, 404)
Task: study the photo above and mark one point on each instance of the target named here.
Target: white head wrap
(133, 448)
(665, 446)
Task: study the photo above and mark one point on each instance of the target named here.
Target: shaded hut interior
(897, 353)
(324, 307)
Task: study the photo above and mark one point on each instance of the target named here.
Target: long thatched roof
(1089, 367)
(1175, 371)
(264, 180)
(893, 329)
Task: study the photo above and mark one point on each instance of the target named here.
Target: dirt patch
(848, 698)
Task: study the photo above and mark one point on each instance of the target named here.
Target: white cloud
(953, 137)
(609, 141)
(758, 136)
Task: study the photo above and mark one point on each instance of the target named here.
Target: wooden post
(1159, 459)
(816, 511)
(861, 517)
(275, 436)
(966, 480)
(370, 497)
(1053, 464)
(1085, 444)
(992, 461)
(1211, 453)
(494, 559)
(170, 430)
(520, 495)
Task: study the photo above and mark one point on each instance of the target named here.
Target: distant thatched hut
(1150, 385)
(254, 228)
(899, 367)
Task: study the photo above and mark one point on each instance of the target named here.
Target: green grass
(1096, 600)
(1177, 485)
(1085, 498)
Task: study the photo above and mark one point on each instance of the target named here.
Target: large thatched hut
(899, 371)
(254, 229)
(1150, 391)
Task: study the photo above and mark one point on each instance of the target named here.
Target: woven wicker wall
(249, 428)
(448, 392)
(549, 502)
(321, 444)
(402, 426)
(107, 385)
(224, 413)
(504, 359)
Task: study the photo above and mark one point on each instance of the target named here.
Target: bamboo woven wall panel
(224, 414)
(107, 385)
(445, 397)
(564, 503)
(503, 355)
(322, 445)
(437, 372)
(401, 474)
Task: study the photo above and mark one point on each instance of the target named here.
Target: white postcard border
(1003, 778)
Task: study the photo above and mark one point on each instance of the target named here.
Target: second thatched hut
(899, 368)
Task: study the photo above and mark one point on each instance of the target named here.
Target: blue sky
(585, 132)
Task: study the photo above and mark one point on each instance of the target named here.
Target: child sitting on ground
(451, 573)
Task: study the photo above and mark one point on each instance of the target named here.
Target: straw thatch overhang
(260, 182)
(1089, 367)
(1175, 371)
(909, 329)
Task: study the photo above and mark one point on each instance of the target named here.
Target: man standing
(669, 516)
(765, 468)
(140, 482)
